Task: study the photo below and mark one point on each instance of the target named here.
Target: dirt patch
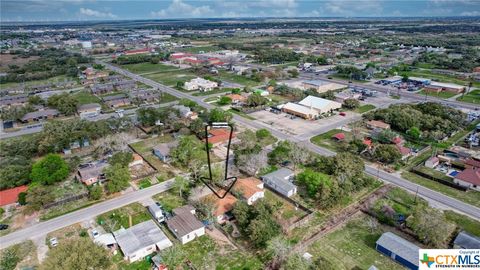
(10, 59)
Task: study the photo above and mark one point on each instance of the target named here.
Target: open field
(353, 246)
(142, 68)
(171, 78)
(441, 94)
(115, 219)
(85, 97)
(60, 78)
(227, 76)
(425, 73)
(287, 210)
(365, 108)
(11, 59)
(472, 97)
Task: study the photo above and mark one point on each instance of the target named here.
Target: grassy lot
(169, 200)
(287, 210)
(470, 197)
(468, 224)
(438, 77)
(115, 219)
(472, 97)
(26, 253)
(216, 91)
(61, 78)
(85, 97)
(353, 247)
(245, 81)
(171, 78)
(205, 253)
(242, 114)
(166, 97)
(66, 208)
(441, 94)
(325, 139)
(144, 183)
(142, 68)
(364, 108)
(144, 148)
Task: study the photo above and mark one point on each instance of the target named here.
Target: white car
(53, 242)
(95, 233)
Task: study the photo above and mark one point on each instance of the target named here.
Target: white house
(200, 84)
(141, 240)
(469, 178)
(281, 181)
(184, 225)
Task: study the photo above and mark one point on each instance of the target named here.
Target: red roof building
(405, 151)
(469, 178)
(138, 51)
(10, 196)
(339, 136)
(397, 140)
(368, 142)
(472, 163)
(217, 136)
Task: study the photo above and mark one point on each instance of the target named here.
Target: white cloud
(454, 2)
(351, 8)
(470, 13)
(179, 9)
(97, 14)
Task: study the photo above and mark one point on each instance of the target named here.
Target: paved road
(88, 213)
(385, 176)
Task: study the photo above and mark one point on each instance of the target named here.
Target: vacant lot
(438, 95)
(353, 247)
(472, 97)
(10, 59)
(115, 219)
(86, 97)
(169, 200)
(326, 140)
(144, 148)
(230, 77)
(287, 211)
(365, 108)
(171, 78)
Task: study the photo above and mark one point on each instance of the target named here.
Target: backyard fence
(66, 200)
(415, 170)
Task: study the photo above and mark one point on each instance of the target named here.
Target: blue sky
(78, 10)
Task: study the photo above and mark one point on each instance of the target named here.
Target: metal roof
(399, 246)
(278, 180)
(467, 241)
(140, 236)
(183, 222)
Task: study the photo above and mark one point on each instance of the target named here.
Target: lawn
(353, 247)
(472, 97)
(441, 94)
(171, 78)
(118, 218)
(144, 183)
(242, 114)
(434, 173)
(365, 108)
(437, 77)
(169, 200)
(288, 211)
(121, 264)
(60, 78)
(142, 68)
(166, 97)
(468, 224)
(85, 97)
(470, 197)
(230, 77)
(325, 139)
(205, 253)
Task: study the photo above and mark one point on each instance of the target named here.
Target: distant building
(13, 100)
(398, 249)
(89, 110)
(281, 181)
(138, 51)
(437, 87)
(432, 162)
(184, 225)
(116, 101)
(40, 115)
(200, 84)
(322, 86)
(141, 240)
(374, 124)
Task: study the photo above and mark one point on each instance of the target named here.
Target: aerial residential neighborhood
(290, 135)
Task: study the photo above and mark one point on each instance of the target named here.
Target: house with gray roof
(281, 181)
(185, 225)
(398, 249)
(92, 173)
(141, 240)
(40, 115)
(465, 240)
(89, 110)
(162, 151)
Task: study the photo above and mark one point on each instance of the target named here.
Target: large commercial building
(311, 107)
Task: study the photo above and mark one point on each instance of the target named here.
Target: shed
(339, 136)
(398, 249)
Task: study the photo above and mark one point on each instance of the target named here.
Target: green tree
(81, 254)
(123, 158)
(255, 100)
(9, 259)
(118, 178)
(181, 184)
(14, 171)
(22, 198)
(38, 196)
(95, 192)
(219, 115)
(414, 132)
(64, 103)
(387, 153)
(173, 256)
(262, 133)
(224, 100)
(50, 169)
(297, 262)
(313, 181)
(431, 226)
(351, 103)
(280, 153)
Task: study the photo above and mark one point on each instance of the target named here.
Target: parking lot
(300, 127)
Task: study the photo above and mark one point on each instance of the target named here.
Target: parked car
(53, 242)
(3, 226)
(342, 113)
(95, 233)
